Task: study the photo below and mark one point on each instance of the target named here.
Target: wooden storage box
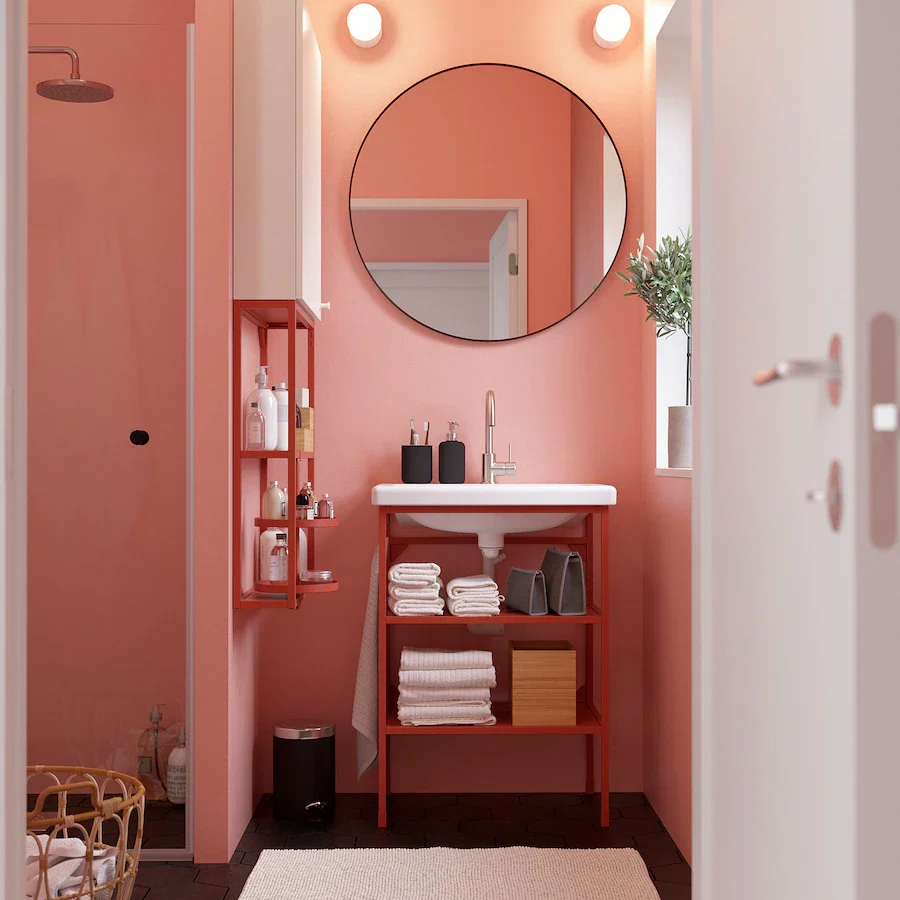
(306, 440)
(542, 682)
(307, 417)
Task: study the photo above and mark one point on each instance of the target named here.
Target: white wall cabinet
(277, 153)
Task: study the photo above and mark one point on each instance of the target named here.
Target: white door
(504, 301)
(797, 626)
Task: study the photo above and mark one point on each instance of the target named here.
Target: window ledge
(675, 473)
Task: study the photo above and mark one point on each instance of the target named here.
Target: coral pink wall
(107, 354)
(411, 235)
(588, 141)
(483, 132)
(667, 559)
(569, 399)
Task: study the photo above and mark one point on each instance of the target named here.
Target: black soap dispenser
(452, 458)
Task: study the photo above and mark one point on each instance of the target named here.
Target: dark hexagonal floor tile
(676, 873)
(586, 812)
(619, 799)
(653, 856)
(165, 842)
(281, 827)
(405, 813)
(236, 858)
(560, 826)
(321, 842)
(598, 840)
(428, 801)
(459, 841)
(154, 875)
(391, 839)
(424, 826)
(357, 801)
(638, 812)
(490, 800)
(660, 841)
(669, 891)
(352, 827)
(493, 829)
(251, 843)
(635, 826)
(533, 840)
(527, 813)
(552, 799)
(226, 876)
(189, 891)
(458, 813)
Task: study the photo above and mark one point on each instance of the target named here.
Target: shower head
(73, 89)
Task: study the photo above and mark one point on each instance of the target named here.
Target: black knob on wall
(139, 438)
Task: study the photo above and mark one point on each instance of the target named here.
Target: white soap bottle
(176, 782)
(281, 398)
(278, 559)
(268, 406)
(266, 543)
(274, 502)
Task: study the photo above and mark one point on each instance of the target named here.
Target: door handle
(828, 369)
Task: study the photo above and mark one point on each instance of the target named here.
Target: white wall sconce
(611, 26)
(364, 25)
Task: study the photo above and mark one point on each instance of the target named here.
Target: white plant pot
(681, 436)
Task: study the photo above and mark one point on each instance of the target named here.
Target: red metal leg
(383, 654)
(604, 666)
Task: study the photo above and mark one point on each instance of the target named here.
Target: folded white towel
(472, 585)
(414, 580)
(425, 696)
(413, 658)
(419, 569)
(465, 607)
(446, 715)
(434, 607)
(415, 593)
(486, 677)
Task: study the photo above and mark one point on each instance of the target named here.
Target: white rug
(440, 873)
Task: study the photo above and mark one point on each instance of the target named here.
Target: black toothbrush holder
(416, 463)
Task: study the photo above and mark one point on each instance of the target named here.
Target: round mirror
(488, 202)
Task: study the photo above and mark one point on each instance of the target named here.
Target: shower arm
(76, 71)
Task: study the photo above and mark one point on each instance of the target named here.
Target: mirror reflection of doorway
(459, 264)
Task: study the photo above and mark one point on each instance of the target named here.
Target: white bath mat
(440, 873)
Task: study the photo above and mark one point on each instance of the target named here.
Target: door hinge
(513, 264)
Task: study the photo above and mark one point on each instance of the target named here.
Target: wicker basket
(104, 810)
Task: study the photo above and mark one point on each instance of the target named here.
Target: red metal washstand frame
(591, 719)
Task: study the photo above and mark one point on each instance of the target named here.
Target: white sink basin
(492, 527)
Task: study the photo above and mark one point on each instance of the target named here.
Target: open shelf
(301, 523)
(303, 587)
(276, 454)
(275, 313)
(506, 617)
(587, 721)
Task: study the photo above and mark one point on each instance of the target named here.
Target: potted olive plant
(662, 279)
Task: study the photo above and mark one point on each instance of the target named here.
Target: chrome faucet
(490, 468)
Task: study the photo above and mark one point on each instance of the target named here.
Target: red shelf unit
(292, 316)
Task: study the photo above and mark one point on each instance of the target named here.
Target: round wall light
(611, 26)
(364, 25)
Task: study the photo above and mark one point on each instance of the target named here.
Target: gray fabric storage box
(526, 591)
(564, 574)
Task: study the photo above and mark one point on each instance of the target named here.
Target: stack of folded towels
(443, 687)
(58, 867)
(474, 595)
(414, 589)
